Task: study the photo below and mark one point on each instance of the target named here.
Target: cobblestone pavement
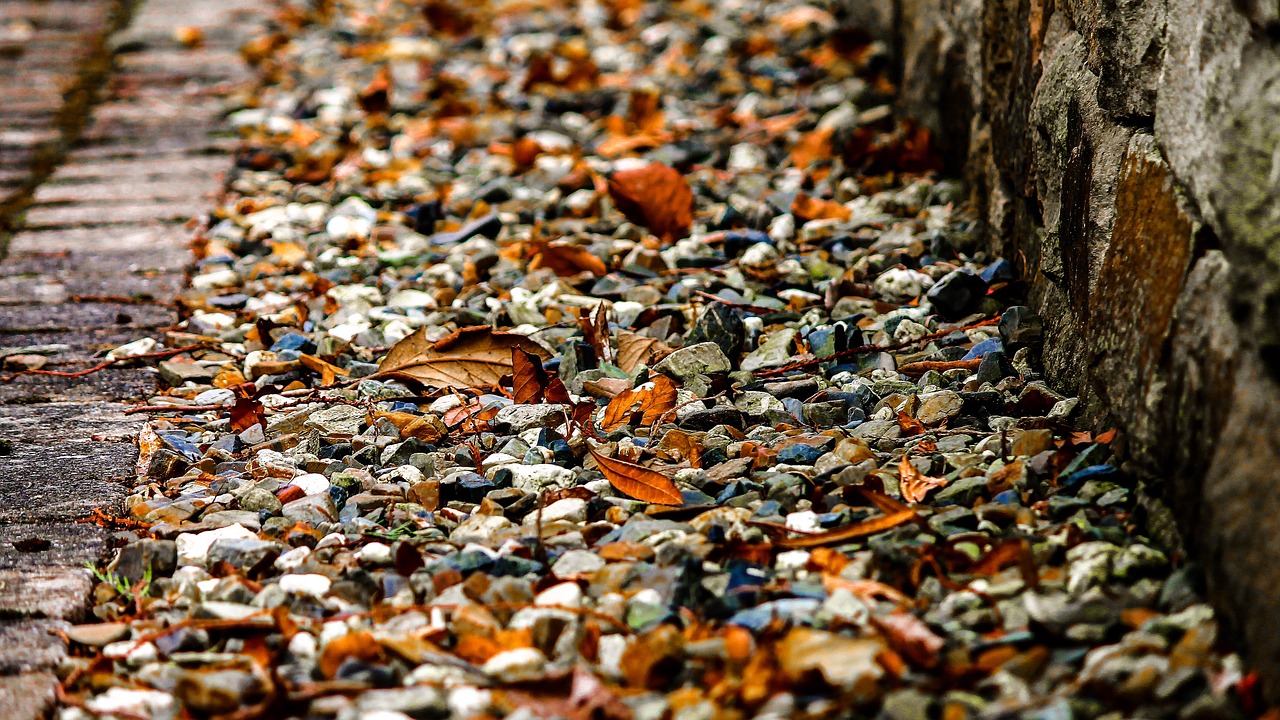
(109, 141)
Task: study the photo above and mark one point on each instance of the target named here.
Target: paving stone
(55, 423)
(27, 696)
(41, 482)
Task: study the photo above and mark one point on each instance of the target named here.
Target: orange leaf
(564, 258)
(808, 208)
(655, 196)
(635, 350)
(328, 372)
(618, 412)
(812, 146)
(910, 426)
(915, 484)
(659, 401)
(639, 482)
(360, 646)
(866, 527)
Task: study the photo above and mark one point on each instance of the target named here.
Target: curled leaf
(639, 482)
(470, 357)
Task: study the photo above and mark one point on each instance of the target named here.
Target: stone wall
(1126, 153)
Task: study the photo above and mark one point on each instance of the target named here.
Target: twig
(119, 300)
(863, 349)
(174, 408)
(106, 364)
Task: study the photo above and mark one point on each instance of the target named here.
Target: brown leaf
(866, 527)
(565, 258)
(915, 484)
(639, 482)
(470, 357)
(655, 196)
(635, 350)
(247, 411)
(528, 379)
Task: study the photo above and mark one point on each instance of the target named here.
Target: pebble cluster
(885, 510)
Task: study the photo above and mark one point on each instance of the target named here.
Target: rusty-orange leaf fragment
(639, 482)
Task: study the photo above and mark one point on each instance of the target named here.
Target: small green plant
(120, 583)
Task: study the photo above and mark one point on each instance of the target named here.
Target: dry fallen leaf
(910, 426)
(564, 258)
(639, 482)
(655, 196)
(361, 646)
(915, 484)
(808, 208)
(427, 428)
(470, 357)
(635, 350)
(650, 402)
(328, 372)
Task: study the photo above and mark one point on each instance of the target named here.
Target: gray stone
(937, 408)
(962, 491)
(313, 509)
(244, 554)
(337, 420)
(519, 418)
(176, 373)
(701, 359)
(161, 556)
(258, 500)
(777, 350)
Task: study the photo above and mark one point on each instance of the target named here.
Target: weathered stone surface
(1124, 151)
